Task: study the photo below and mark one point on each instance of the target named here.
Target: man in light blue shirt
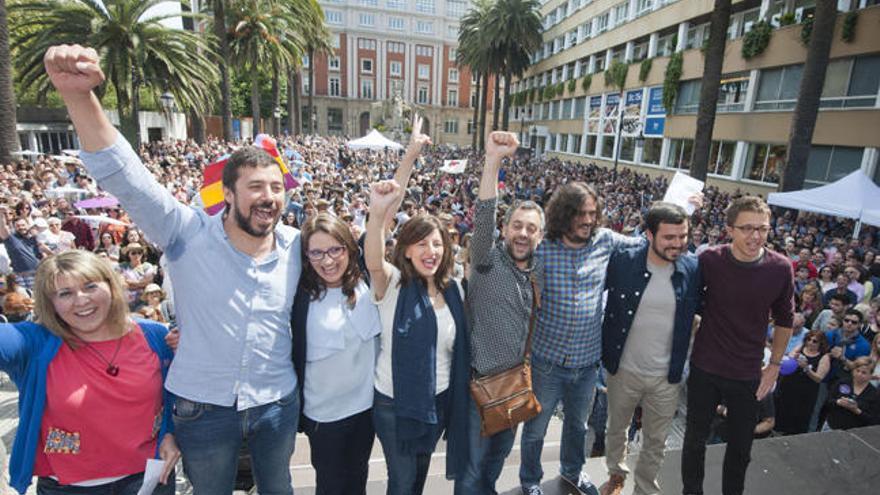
(234, 277)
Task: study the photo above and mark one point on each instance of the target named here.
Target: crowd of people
(360, 304)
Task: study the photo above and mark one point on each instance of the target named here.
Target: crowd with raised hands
(385, 298)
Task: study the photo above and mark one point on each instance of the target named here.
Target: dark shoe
(583, 485)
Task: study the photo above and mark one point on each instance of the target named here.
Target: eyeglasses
(318, 254)
(751, 229)
(850, 320)
(139, 253)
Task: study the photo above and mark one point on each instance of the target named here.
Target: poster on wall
(595, 115)
(609, 125)
(632, 113)
(654, 123)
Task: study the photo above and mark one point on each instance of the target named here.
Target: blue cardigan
(26, 349)
(626, 279)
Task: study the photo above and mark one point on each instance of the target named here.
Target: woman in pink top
(92, 406)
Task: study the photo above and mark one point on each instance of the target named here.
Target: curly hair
(565, 204)
(413, 231)
(310, 281)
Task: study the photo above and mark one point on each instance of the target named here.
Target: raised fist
(383, 195)
(73, 69)
(501, 144)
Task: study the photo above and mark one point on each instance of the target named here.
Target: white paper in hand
(151, 476)
(681, 189)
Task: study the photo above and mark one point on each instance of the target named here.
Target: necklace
(112, 369)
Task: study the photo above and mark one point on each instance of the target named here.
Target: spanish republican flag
(268, 144)
(212, 181)
(212, 186)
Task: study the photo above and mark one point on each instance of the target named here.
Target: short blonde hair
(862, 362)
(87, 266)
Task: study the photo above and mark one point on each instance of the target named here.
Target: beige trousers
(658, 399)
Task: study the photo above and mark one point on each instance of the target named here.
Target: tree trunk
(496, 103)
(198, 126)
(484, 99)
(255, 100)
(294, 113)
(223, 51)
(713, 60)
(311, 114)
(276, 104)
(803, 120)
(476, 121)
(8, 135)
(505, 113)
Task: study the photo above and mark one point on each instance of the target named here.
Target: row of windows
(762, 162)
(394, 23)
(397, 47)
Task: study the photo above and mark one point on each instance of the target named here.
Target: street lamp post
(167, 102)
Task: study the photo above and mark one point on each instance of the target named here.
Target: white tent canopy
(854, 196)
(374, 140)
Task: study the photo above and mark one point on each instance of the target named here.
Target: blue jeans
(575, 387)
(486, 458)
(210, 437)
(407, 472)
(126, 486)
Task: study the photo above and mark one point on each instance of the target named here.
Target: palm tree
(8, 136)
(713, 61)
(294, 107)
(803, 119)
(475, 51)
(136, 52)
(317, 40)
(516, 26)
(264, 36)
(222, 36)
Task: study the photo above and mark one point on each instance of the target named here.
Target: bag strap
(536, 303)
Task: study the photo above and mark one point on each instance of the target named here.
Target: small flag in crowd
(212, 186)
(453, 166)
(266, 143)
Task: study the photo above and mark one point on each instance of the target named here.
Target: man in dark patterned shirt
(500, 301)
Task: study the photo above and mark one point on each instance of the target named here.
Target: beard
(527, 256)
(662, 254)
(245, 222)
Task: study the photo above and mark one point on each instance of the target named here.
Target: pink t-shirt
(96, 425)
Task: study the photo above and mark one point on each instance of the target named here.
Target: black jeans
(705, 392)
(341, 453)
(125, 486)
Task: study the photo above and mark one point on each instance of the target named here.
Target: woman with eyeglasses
(797, 392)
(827, 278)
(335, 326)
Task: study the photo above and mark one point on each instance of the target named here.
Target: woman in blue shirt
(335, 328)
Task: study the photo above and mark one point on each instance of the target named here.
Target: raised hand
(417, 139)
(383, 195)
(73, 69)
(501, 144)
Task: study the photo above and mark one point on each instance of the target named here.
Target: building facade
(388, 48)
(564, 107)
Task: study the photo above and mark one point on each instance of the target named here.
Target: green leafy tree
(136, 51)
(712, 63)
(317, 41)
(8, 136)
(473, 43)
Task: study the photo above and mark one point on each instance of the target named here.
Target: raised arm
(498, 146)
(4, 227)
(403, 173)
(383, 196)
(75, 71)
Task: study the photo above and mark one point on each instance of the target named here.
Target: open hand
(169, 453)
(73, 69)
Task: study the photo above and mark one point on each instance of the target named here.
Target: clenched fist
(73, 69)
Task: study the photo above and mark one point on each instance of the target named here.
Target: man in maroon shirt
(745, 283)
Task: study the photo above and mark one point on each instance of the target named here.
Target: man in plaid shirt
(567, 343)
